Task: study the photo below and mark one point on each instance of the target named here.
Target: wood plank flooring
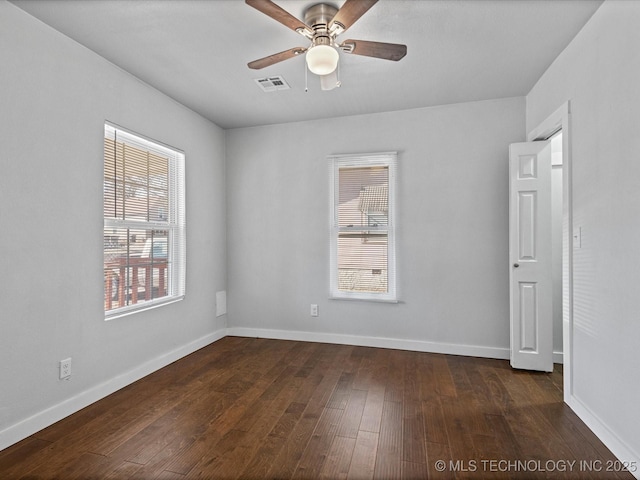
(253, 408)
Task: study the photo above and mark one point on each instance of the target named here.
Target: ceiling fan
(322, 24)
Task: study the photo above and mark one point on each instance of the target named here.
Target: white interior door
(530, 256)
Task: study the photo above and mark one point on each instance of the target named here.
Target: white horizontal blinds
(144, 258)
(363, 227)
(136, 182)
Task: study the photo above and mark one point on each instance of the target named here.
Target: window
(363, 226)
(144, 223)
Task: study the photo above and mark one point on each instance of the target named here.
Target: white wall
(452, 233)
(54, 98)
(599, 73)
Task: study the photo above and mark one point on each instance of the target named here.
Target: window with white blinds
(144, 223)
(363, 226)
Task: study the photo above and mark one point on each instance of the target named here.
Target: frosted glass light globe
(322, 59)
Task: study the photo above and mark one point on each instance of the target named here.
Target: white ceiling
(196, 51)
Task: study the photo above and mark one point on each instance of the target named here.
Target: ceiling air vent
(271, 84)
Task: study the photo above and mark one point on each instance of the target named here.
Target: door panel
(528, 317)
(530, 256)
(527, 213)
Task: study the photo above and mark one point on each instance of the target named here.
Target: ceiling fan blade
(387, 51)
(277, 13)
(276, 57)
(349, 13)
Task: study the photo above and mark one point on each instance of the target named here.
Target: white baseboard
(49, 416)
(558, 357)
(620, 449)
(380, 342)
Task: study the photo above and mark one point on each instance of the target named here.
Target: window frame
(175, 223)
(344, 161)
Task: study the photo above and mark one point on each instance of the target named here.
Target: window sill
(125, 311)
(364, 299)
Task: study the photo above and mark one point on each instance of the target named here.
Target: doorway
(558, 125)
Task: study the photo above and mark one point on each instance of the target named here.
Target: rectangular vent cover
(271, 84)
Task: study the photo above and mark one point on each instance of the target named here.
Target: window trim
(381, 159)
(175, 224)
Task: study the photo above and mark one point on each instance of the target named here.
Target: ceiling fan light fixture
(322, 59)
(330, 81)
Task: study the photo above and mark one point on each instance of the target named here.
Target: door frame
(561, 120)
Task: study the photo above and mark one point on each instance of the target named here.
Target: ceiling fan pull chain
(306, 75)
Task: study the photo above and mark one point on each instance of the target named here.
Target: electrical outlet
(314, 310)
(65, 368)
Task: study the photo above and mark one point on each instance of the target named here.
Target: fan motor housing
(318, 16)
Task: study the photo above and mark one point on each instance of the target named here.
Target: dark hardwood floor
(254, 408)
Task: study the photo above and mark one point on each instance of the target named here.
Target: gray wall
(452, 228)
(55, 97)
(599, 73)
